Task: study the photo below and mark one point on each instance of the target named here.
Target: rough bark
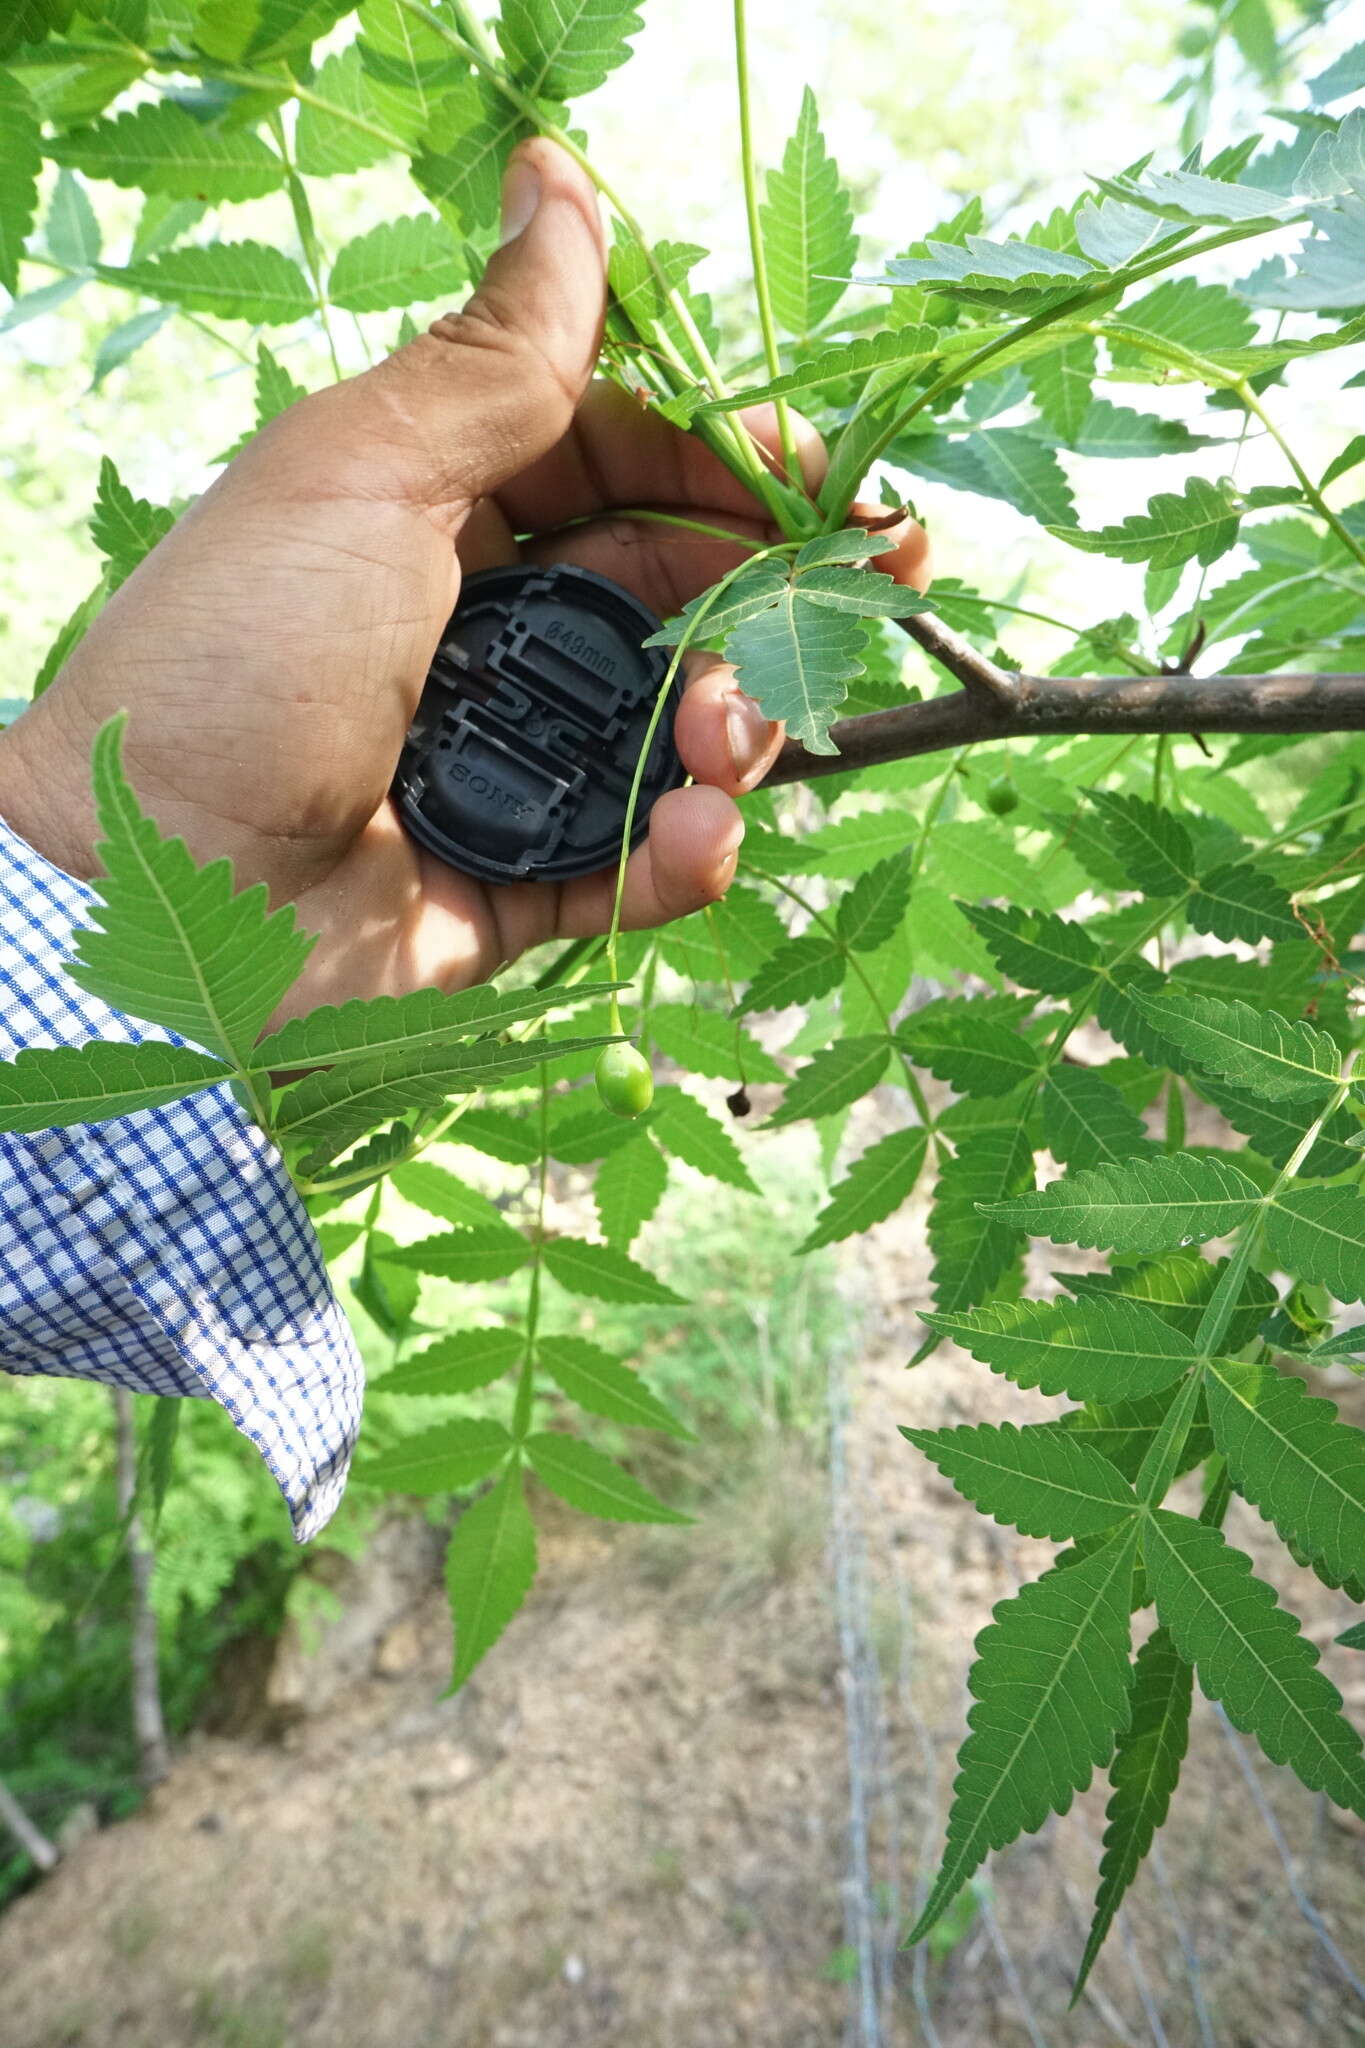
(1009, 707)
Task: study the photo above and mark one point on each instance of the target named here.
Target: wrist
(45, 794)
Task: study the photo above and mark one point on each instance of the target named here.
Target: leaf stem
(1164, 1454)
(1089, 295)
(1310, 490)
(475, 45)
(308, 238)
(521, 1414)
(645, 516)
(762, 292)
(823, 923)
(688, 635)
(568, 967)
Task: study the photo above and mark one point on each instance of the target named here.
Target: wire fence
(896, 1806)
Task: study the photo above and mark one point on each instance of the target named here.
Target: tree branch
(153, 1749)
(978, 675)
(1031, 706)
(26, 1833)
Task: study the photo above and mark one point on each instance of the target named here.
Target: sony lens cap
(519, 763)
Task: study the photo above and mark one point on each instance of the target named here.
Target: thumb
(489, 390)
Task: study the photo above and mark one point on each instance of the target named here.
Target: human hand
(272, 649)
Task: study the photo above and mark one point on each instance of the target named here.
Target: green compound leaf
(974, 1056)
(687, 1128)
(458, 1363)
(1125, 1432)
(443, 1194)
(604, 1386)
(604, 1273)
(276, 390)
(1086, 1121)
(125, 528)
(351, 120)
(234, 280)
(46, 1089)
(22, 156)
(1051, 1685)
(1249, 1653)
(797, 660)
(465, 1255)
(807, 224)
(1061, 384)
(122, 342)
(71, 229)
(388, 1292)
(1290, 1455)
(1254, 1049)
(798, 640)
(629, 1187)
(581, 1136)
(170, 940)
(706, 1042)
(1041, 1480)
(341, 1034)
(874, 1187)
(1009, 274)
(873, 909)
(1035, 948)
(1009, 463)
(1118, 433)
(1144, 1774)
(490, 1565)
(565, 48)
(593, 1483)
(159, 147)
(400, 262)
(439, 1460)
(754, 590)
(905, 348)
(33, 21)
(1240, 902)
(1091, 1350)
(797, 972)
(262, 29)
(1153, 848)
(850, 1068)
(1188, 196)
(1318, 1234)
(1179, 1287)
(1146, 1205)
(327, 1111)
(975, 1254)
(1198, 524)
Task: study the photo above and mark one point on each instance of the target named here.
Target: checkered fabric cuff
(167, 1251)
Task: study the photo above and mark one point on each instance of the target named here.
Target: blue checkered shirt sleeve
(166, 1251)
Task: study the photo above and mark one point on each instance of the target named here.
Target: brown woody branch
(994, 705)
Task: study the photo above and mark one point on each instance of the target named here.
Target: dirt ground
(686, 1805)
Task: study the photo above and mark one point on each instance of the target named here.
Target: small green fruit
(625, 1084)
(1001, 796)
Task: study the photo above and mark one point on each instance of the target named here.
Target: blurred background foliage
(1011, 99)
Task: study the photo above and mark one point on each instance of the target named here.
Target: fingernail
(747, 732)
(520, 198)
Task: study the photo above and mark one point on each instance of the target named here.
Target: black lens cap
(519, 763)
